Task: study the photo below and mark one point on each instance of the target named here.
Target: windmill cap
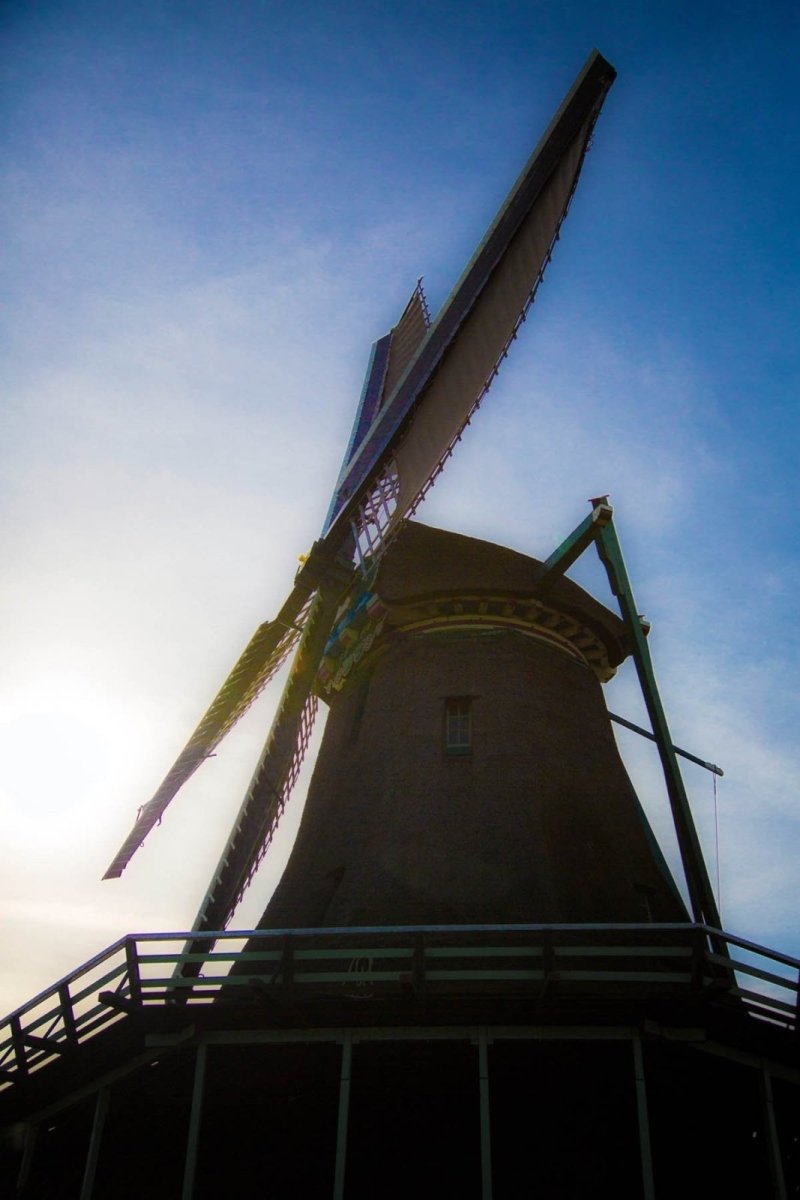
(424, 563)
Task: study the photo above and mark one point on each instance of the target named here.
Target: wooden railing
(146, 970)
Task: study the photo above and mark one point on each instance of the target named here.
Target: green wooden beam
(645, 733)
(701, 895)
(573, 547)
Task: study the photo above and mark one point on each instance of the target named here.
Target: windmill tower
(468, 774)
(477, 966)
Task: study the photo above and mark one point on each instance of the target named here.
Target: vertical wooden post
(648, 1186)
(23, 1178)
(771, 1132)
(93, 1153)
(68, 1014)
(486, 1134)
(194, 1123)
(344, 1115)
(132, 961)
(19, 1046)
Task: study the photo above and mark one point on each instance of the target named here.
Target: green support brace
(598, 527)
(573, 547)
(701, 896)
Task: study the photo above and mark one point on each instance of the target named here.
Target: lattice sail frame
(373, 522)
(307, 719)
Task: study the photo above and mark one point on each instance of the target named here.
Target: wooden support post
(486, 1132)
(24, 1175)
(195, 1115)
(771, 1132)
(93, 1153)
(648, 1186)
(344, 1115)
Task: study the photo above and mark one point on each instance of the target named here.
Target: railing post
(15, 1025)
(287, 964)
(548, 962)
(67, 1014)
(699, 941)
(132, 962)
(418, 966)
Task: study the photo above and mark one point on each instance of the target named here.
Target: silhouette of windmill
(424, 382)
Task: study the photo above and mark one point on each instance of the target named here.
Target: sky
(210, 212)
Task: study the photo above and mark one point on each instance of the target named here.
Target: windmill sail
(465, 373)
(277, 770)
(388, 360)
(414, 432)
(407, 336)
(262, 657)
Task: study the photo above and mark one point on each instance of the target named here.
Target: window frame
(457, 726)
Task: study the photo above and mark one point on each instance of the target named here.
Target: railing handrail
(399, 930)
(744, 944)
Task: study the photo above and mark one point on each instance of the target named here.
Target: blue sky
(210, 212)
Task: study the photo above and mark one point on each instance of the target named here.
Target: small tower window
(457, 725)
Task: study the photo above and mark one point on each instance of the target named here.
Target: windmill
(424, 382)
(307, 1064)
